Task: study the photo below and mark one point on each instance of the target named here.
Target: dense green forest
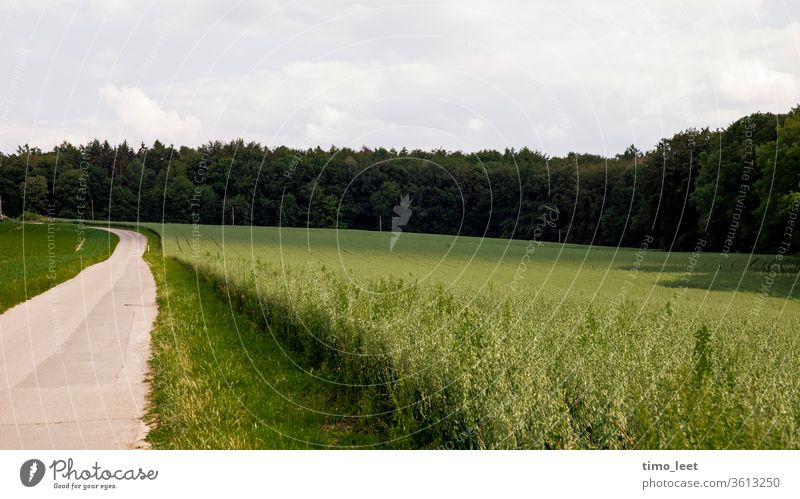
(736, 188)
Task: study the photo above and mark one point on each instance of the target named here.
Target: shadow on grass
(760, 275)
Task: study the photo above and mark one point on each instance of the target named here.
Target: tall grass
(207, 377)
(441, 367)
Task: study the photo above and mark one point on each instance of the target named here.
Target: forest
(735, 188)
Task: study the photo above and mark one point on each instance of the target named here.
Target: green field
(35, 257)
(468, 342)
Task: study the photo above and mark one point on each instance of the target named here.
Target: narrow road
(73, 360)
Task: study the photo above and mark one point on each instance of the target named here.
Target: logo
(403, 212)
(31, 472)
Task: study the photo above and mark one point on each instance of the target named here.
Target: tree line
(735, 188)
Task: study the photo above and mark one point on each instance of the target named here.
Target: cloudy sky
(556, 76)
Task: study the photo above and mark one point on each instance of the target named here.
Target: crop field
(35, 257)
(458, 342)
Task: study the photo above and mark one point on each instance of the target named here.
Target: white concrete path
(73, 360)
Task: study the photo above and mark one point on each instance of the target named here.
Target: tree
(383, 200)
(35, 189)
(688, 187)
(668, 175)
(71, 195)
(778, 187)
(291, 215)
(723, 194)
(631, 152)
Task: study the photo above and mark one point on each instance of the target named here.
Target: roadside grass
(220, 382)
(36, 257)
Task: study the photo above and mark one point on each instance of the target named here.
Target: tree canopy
(736, 187)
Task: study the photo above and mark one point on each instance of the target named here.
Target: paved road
(73, 359)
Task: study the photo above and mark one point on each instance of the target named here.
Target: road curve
(74, 359)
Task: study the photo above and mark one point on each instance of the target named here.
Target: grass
(36, 257)
(592, 273)
(219, 383)
(450, 342)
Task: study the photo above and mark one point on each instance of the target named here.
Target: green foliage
(667, 212)
(454, 357)
(219, 383)
(724, 192)
(779, 185)
(35, 189)
(688, 186)
(702, 353)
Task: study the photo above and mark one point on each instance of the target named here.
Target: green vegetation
(735, 187)
(36, 257)
(220, 383)
(448, 341)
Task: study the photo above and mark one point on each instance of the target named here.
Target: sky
(556, 76)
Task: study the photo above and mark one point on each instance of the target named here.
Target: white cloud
(46, 135)
(553, 132)
(556, 76)
(475, 124)
(327, 123)
(145, 118)
(331, 126)
(749, 82)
